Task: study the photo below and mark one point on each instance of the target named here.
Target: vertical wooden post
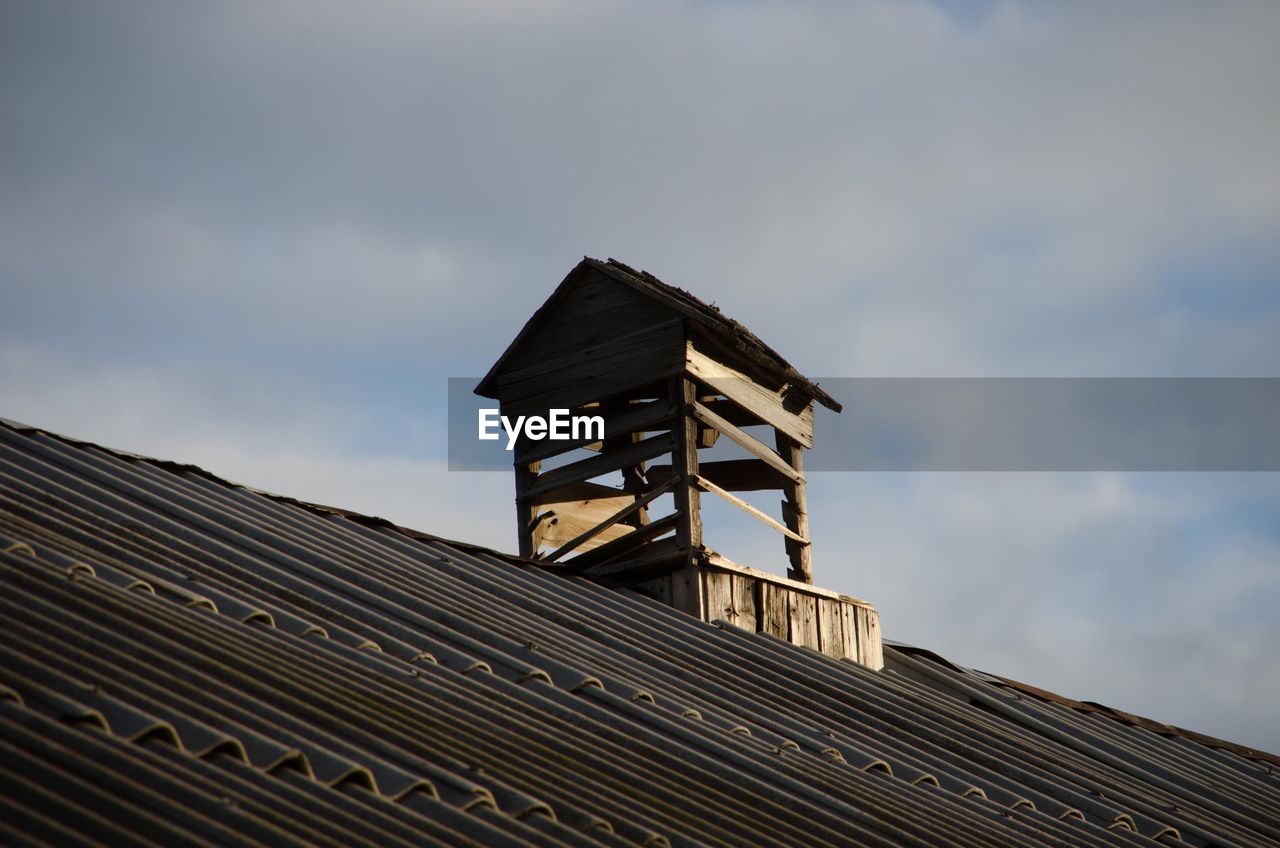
(684, 462)
(633, 481)
(526, 473)
(795, 512)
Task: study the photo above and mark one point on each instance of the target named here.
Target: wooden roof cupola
(669, 375)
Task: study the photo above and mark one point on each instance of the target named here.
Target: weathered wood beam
(594, 466)
(566, 520)
(656, 557)
(628, 510)
(759, 400)
(747, 441)
(580, 491)
(632, 475)
(707, 486)
(526, 513)
(650, 416)
(625, 544)
(684, 461)
(795, 510)
(736, 475)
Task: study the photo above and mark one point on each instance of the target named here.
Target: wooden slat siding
(772, 607)
(864, 634)
(686, 590)
(707, 486)
(526, 513)
(802, 617)
(734, 475)
(651, 560)
(719, 594)
(595, 466)
(654, 415)
(594, 309)
(627, 544)
(633, 358)
(633, 382)
(634, 341)
(759, 400)
(830, 633)
(746, 441)
(622, 514)
(684, 460)
(720, 561)
(872, 652)
(744, 602)
(572, 492)
(849, 630)
(795, 511)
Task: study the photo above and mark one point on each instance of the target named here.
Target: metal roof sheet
(183, 659)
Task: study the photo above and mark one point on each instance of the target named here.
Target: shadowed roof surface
(187, 660)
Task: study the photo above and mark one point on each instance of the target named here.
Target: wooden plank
(864, 633)
(747, 441)
(594, 466)
(686, 590)
(802, 619)
(832, 643)
(626, 544)
(638, 419)
(684, 461)
(849, 629)
(795, 510)
(526, 513)
(564, 521)
(870, 644)
(744, 602)
(575, 492)
(719, 593)
(721, 561)
(630, 509)
(707, 486)
(632, 475)
(772, 606)
(734, 475)
(759, 400)
(647, 561)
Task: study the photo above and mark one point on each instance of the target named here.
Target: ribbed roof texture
(186, 661)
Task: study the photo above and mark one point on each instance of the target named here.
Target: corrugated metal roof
(186, 660)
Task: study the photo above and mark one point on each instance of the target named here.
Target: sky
(261, 236)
